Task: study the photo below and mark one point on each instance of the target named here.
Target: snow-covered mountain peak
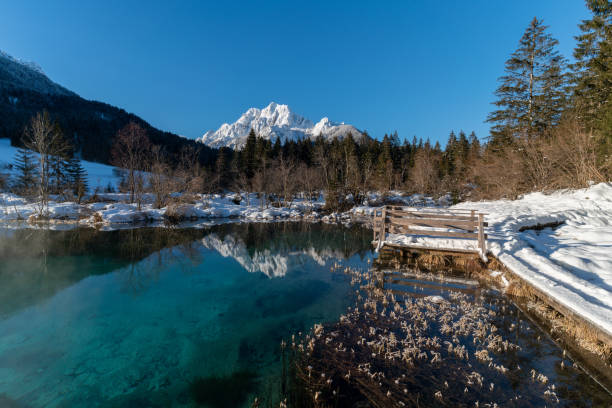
(28, 64)
(275, 120)
(19, 74)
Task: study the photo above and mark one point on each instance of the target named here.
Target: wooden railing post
(473, 216)
(381, 234)
(374, 225)
(481, 237)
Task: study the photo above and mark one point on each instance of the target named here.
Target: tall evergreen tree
(447, 166)
(474, 147)
(384, 166)
(58, 173)
(463, 146)
(276, 148)
(249, 158)
(76, 177)
(26, 166)
(222, 167)
(593, 67)
(531, 95)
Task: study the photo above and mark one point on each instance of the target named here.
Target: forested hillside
(89, 126)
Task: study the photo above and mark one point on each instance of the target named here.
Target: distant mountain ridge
(18, 74)
(275, 120)
(90, 126)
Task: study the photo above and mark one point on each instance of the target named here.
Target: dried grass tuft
(470, 265)
(520, 290)
(97, 218)
(430, 260)
(584, 335)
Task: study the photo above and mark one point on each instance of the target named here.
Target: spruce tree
(58, 174)
(249, 159)
(384, 166)
(463, 147)
(450, 155)
(26, 166)
(276, 148)
(222, 168)
(77, 177)
(474, 147)
(531, 95)
(593, 67)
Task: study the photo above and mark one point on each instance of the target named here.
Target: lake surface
(429, 340)
(143, 317)
(194, 317)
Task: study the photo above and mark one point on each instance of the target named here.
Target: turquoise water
(163, 317)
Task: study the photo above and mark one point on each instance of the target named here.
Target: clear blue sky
(419, 67)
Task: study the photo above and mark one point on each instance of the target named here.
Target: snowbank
(114, 209)
(571, 260)
(458, 244)
(99, 175)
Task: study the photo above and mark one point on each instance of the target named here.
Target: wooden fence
(430, 222)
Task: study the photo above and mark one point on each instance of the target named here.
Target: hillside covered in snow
(271, 122)
(99, 176)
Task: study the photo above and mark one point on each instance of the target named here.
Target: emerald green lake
(189, 317)
(143, 317)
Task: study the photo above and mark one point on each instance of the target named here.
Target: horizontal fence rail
(447, 223)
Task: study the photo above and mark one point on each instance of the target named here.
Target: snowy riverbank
(560, 243)
(570, 259)
(114, 209)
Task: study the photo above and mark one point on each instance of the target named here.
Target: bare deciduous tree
(190, 175)
(243, 185)
(160, 178)
(424, 174)
(44, 137)
(130, 151)
(286, 169)
(261, 184)
(571, 155)
(309, 181)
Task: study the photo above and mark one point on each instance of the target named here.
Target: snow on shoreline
(571, 260)
(561, 243)
(113, 208)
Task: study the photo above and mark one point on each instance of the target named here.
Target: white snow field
(98, 175)
(572, 262)
(113, 208)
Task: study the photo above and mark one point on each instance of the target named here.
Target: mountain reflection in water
(72, 255)
(157, 316)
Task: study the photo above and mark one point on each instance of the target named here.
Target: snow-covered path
(572, 262)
